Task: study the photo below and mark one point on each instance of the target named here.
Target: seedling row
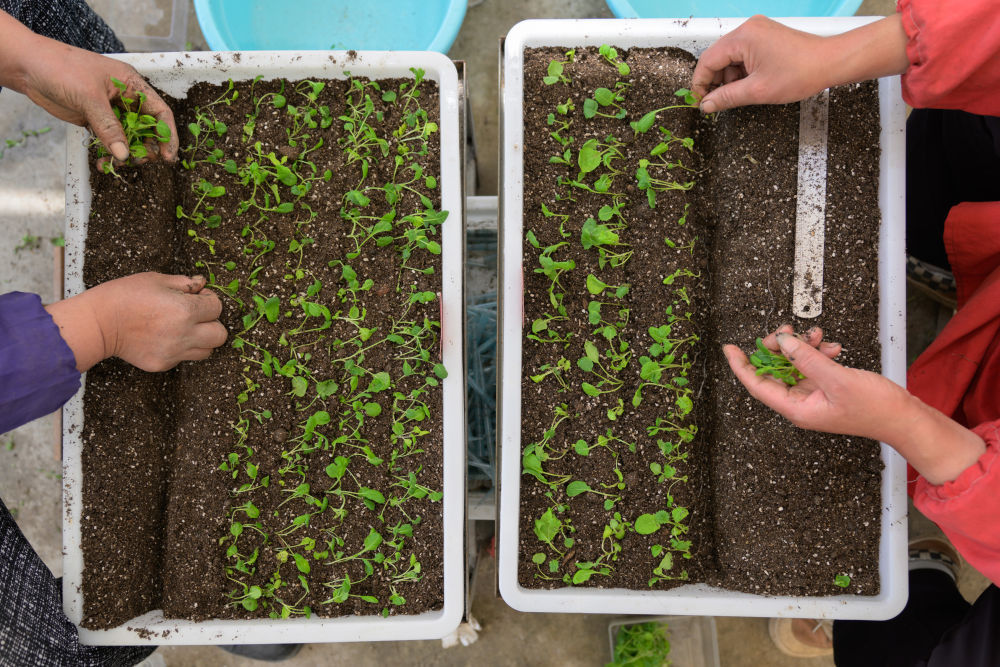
(313, 209)
(594, 353)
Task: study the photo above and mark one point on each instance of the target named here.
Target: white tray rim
(175, 73)
(694, 35)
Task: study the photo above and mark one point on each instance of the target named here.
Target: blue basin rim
(211, 20)
(648, 9)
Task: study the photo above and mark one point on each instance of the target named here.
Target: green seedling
(775, 364)
(842, 580)
(607, 242)
(645, 124)
(560, 126)
(555, 73)
(28, 242)
(139, 128)
(27, 134)
(651, 185)
(641, 645)
(605, 97)
(610, 54)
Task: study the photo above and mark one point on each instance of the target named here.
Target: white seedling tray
(162, 70)
(694, 35)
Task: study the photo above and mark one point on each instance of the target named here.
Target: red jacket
(954, 52)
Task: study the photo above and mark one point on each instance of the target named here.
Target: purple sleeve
(37, 369)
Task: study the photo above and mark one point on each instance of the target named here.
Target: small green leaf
(301, 563)
(589, 158)
(646, 524)
(574, 489)
(379, 382)
(371, 494)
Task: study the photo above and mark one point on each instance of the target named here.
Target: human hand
(831, 398)
(837, 399)
(761, 62)
(151, 320)
(75, 85)
(765, 62)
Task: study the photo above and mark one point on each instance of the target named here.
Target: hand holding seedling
(78, 86)
(765, 62)
(837, 399)
(151, 320)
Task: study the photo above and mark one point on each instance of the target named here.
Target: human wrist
(937, 447)
(80, 326)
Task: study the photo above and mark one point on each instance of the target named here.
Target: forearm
(939, 448)
(17, 43)
(869, 52)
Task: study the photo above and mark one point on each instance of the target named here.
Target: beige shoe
(802, 637)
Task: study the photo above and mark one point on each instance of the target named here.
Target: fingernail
(119, 150)
(708, 106)
(788, 343)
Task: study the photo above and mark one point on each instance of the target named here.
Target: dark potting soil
(773, 509)
(158, 510)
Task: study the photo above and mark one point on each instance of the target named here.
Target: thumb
(107, 128)
(807, 359)
(736, 94)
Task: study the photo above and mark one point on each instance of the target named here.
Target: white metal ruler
(810, 212)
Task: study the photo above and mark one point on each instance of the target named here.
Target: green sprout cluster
(342, 375)
(620, 365)
(139, 128)
(641, 645)
(774, 364)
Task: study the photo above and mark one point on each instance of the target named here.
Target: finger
(156, 107)
(736, 94)
(208, 335)
(102, 121)
(207, 306)
(714, 60)
(766, 389)
(813, 336)
(831, 350)
(186, 284)
(771, 341)
(808, 360)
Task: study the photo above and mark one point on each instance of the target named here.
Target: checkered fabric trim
(34, 631)
(68, 21)
(930, 275)
(924, 559)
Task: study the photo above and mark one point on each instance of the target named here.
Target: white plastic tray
(694, 35)
(162, 71)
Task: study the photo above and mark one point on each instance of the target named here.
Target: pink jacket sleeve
(954, 52)
(968, 508)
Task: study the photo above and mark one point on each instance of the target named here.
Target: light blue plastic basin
(364, 25)
(653, 9)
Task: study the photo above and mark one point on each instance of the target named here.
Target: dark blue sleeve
(37, 369)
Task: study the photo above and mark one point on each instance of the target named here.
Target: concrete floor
(31, 204)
